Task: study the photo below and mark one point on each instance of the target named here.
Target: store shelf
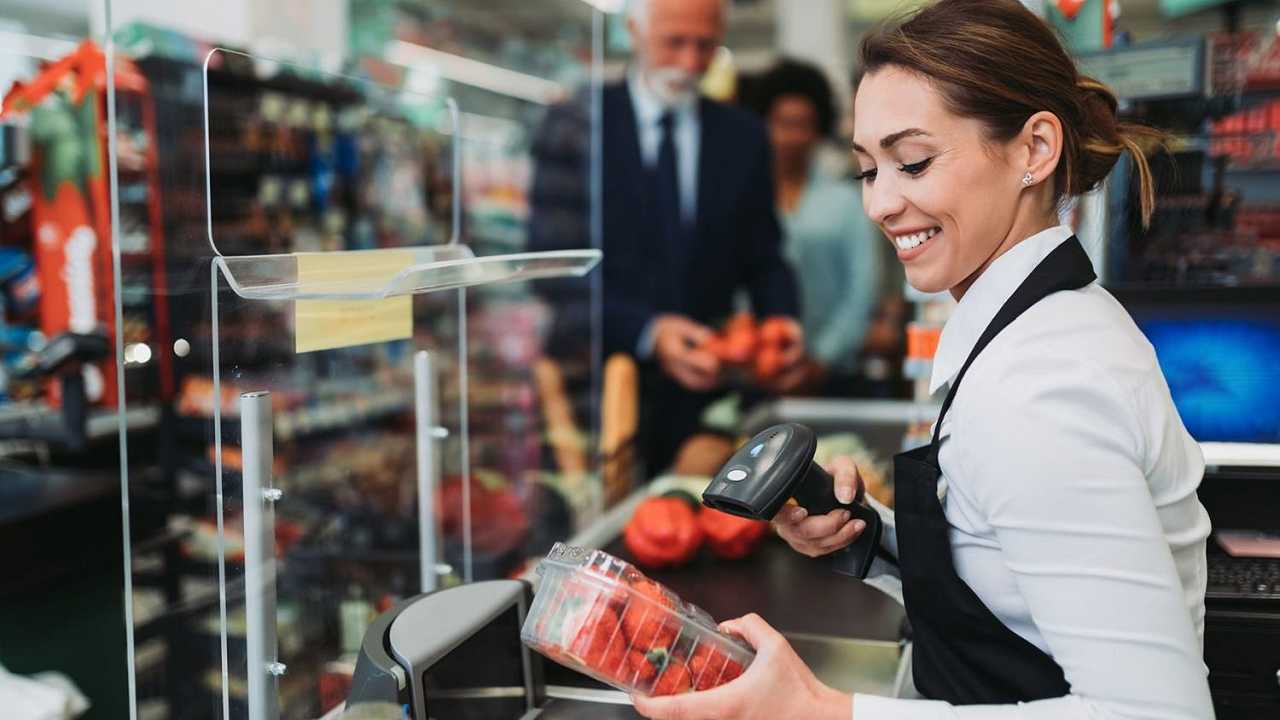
(313, 418)
(106, 423)
(100, 424)
(340, 415)
(323, 87)
(162, 624)
(1253, 170)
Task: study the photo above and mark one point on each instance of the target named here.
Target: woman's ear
(1041, 140)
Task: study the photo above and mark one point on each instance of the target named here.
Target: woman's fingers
(844, 537)
(848, 483)
(752, 628)
(820, 527)
(846, 533)
(790, 514)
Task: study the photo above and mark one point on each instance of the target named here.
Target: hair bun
(1093, 91)
(996, 62)
(1101, 141)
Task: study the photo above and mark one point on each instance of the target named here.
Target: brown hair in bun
(995, 61)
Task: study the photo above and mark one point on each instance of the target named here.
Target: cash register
(457, 654)
(1218, 349)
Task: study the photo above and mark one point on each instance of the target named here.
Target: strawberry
(599, 644)
(706, 665)
(674, 679)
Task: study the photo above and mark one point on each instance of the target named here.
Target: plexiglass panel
(62, 608)
(341, 535)
(379, 342)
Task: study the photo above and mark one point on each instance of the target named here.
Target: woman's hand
(824, 534)
(777, 685)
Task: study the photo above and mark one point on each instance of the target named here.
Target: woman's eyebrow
(891, 139)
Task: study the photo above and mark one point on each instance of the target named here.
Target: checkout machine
(472, 667)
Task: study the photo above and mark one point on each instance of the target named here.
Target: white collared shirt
(1071, 495)
(649, 109)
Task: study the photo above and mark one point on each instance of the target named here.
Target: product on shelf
(663, 532)
(1249, 138)
(499, 519)
(334, 685)
(922, 345)
(1244, 61)
(601, 616)
(355, 614)
(71, 212)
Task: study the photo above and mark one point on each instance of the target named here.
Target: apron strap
(1067, 267)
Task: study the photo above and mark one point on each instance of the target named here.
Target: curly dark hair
(793, 77)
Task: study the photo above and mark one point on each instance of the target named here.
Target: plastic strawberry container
(603, 617)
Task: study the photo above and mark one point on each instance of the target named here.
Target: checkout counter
(475, 666)
(851, 634)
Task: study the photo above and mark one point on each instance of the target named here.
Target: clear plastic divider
(364, 279)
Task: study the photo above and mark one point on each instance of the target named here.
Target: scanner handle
(817, 495)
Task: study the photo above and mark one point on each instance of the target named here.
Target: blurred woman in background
(829, 242)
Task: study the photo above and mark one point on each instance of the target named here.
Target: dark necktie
(668, 184)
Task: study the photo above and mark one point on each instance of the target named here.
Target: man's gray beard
(656, 82)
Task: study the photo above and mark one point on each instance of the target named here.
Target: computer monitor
(1219, 349)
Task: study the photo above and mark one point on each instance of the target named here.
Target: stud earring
(1027, 179)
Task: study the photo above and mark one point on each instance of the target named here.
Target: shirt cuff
(889, 529)
(644, 346)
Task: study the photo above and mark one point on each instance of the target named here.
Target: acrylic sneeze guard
(354, 324)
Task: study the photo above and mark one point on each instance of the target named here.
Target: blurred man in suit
(688, 214)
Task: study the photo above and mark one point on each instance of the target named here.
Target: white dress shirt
(1069, 483)
(649, 109)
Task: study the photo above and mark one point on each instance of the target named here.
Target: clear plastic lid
(603, 617)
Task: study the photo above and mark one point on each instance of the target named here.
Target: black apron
(962, 653)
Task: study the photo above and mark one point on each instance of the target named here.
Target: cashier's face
(943, 195)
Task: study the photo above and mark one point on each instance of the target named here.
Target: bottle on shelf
(355, 614)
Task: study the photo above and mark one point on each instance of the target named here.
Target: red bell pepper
(729, 536)
(663, 532)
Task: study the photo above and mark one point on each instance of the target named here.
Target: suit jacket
(736, 241)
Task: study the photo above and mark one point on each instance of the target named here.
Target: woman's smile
(912, 243)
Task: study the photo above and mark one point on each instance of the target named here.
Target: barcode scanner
(777, 465)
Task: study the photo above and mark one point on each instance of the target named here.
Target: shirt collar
(648, 106)
(984, 299)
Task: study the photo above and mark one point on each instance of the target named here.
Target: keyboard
(1242, 578)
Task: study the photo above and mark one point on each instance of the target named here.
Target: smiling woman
(951, 124)
(1049, 540)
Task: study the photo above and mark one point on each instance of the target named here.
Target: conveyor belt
(793, 593)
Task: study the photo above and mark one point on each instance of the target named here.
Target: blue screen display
(1223, 368)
